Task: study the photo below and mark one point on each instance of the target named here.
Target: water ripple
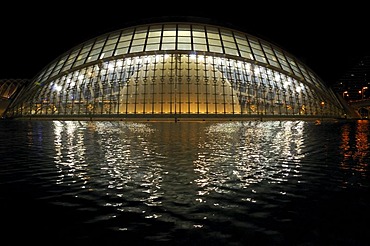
(226, 183)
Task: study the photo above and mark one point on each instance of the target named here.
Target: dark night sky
(329, 39)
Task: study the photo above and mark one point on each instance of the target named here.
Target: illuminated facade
(176, 70)
(8, 89)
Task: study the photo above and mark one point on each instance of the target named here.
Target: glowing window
(184, 46)
(215, 42)
(155, 31)
(198, 31)
(199, 40)
(169, 39)
(217, 49)
(137, 42)
(170, 46)
(183, 33)
(169, 30)
(282, 60)
(230, 51)
(140, 33)
(138, 48)
(154, 40)
(151, 47)
(200, 47)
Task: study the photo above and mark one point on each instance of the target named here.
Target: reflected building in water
(176, 69)
(209, 159)
(359, 154)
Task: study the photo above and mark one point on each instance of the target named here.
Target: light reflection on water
(135, 159)
(355, 153)
(231, 182)
(255, 151)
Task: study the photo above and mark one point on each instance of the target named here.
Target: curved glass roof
(170, 37)
(166, 68)
(9, 87)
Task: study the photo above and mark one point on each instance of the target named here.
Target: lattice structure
(176, 69)
(8, 87)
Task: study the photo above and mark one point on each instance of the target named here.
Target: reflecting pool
(185, 183)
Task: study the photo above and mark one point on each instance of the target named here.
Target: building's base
(182, 117)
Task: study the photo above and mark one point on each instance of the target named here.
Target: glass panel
(93, 55)
(293, 65)
(199, 34)
(200, 47)
(122, 48)
(110, 45)
(244, 48)
(140, 32)
(270, 55)
(184, 40)
(259, 56)
(169, 39)
(71, 58)
(246, 54)
(198, 31)
(184, 46)
(126, 36)
(124, 42)
(155, 31)
(227, 35)
(314, 79)
(231, 45)
(49, 71)
(140, 35)
(283, 62)
(272, 60)
(254, 44)
(169, 30)
(57, 68)
(212, 30)
(183, 33)
(85, 50)
(151, 47)
(199, 40)
(213, 36)
(96, 50)
(170, 46)
(99, 43)
(217, 49)
(108, 50)
(256, 48)
(304, 72)
(154, 40)
(214, 42)
(134, 49)
(233, 52)
(137, 42)
(112, 39)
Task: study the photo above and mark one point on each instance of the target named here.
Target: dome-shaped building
(176, 70)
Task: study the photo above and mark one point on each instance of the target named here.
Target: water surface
(185, 183)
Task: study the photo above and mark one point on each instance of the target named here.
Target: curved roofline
(186, 20)
(198, 20)
(182, 19)
(175, 20)
(175, 35)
